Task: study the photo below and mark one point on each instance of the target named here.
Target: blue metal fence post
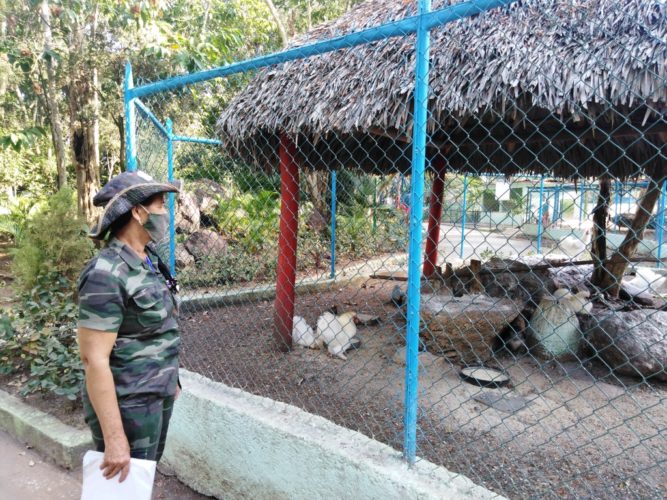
(582, 202)
(660, 227)
(556, 214)
(540, 215)
(415, 248)
(130, 124)
(172, 205)
(464, 214)
(332, 274)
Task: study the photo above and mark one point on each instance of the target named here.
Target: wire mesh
(543, 224)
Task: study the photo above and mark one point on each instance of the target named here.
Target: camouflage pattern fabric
(145, 422)
(123, 192)
(120, 293)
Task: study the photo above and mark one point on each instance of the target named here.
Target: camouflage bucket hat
(123, 192)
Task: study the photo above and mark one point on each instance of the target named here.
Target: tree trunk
(614, 268)
(4, 74)
(279, 22)
(84, 119)
(317, 187)
(599, 237)
(51, 101)
(119, 121)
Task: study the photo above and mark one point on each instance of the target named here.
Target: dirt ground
(583, 433)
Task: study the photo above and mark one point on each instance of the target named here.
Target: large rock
(514, 279)
(464, 327)
(205, 244)
(184, 259)
(207, 193)
(631, 343)
(188, 214)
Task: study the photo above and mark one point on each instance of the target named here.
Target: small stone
(367, 319)
(500, 402)
(31, 463)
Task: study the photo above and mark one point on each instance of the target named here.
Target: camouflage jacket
(120, 293)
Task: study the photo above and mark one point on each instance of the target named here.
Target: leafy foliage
(53, 242)
(250, 224)
(38, 339)
(249, 220)
(15, 221)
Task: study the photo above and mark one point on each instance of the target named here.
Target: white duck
(303, 335)
(337, 332)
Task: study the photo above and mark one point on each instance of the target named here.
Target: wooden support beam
(599, 238)
(434, 218)
(287, 241)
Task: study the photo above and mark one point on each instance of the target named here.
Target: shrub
(54, 241)
(250, 220)
(236, 265)
(38, 339)
(15, 221)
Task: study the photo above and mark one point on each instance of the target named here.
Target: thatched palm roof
(567, 87)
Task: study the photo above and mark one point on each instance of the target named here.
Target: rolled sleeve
(101, 302)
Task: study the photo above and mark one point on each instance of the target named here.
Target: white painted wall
(229, 443)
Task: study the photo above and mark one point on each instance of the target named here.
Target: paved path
(25, 475)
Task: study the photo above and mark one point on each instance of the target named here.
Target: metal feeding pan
(483, 376)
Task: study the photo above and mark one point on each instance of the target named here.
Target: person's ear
(137, 214)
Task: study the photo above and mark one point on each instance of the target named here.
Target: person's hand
(116, 459)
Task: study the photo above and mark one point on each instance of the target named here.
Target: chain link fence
(496, 291)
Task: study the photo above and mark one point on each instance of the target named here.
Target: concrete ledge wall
(61, 443)
(228, 443)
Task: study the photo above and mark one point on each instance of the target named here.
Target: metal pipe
(415, 246)
(402, 28)
(540, 215)
(149, 114)
(172, 204)
(434, 219)
(287, 241)
(464, 214)
(130, 124)
(375, 206)
(661, 222)
(197, 140)
(556, 213)
(332, 274)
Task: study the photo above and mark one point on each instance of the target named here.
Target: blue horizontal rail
(198, 140)
(149, 114)
(403, 27)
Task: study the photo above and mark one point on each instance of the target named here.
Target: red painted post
(289, 219)
(434, 217)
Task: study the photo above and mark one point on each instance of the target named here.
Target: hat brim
(125, 200)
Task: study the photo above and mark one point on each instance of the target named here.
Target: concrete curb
(229, 443)
(62, 443)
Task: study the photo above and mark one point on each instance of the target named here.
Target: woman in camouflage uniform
(128, 332)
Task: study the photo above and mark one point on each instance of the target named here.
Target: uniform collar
(127, 254)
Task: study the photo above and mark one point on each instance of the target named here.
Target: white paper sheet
(137, 486)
